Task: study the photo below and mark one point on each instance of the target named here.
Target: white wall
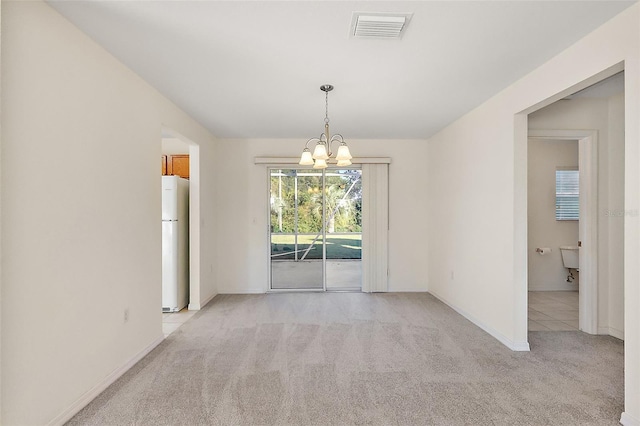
(606, 115)
(547, 272)
(80, 214)
(477, 186)
(242, 195)
(174, 146)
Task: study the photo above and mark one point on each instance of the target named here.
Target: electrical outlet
(126, 314)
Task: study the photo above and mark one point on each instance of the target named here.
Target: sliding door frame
(270, 168)
(380, 284)
(324, 220)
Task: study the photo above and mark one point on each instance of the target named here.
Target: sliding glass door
(315, 229)
(296, 229)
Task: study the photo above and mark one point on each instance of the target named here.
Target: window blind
(567, 195)
(375, 227)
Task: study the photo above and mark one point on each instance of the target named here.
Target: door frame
(296, 166)
(588, 223)
(269, 169)
(195, 300)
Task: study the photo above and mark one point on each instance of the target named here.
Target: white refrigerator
(175, 243)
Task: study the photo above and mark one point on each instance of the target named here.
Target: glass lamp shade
(320, 152)
(306, 159)
(343, 163)
(320, 164)
(343, 153)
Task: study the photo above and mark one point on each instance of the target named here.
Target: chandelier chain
(326, 108)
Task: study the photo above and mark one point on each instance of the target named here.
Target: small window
(567, 195)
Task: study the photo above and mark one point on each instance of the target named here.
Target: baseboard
(552, 288)
(207, 300)
(263, 291)
(90, 395)
(610, 331)
(513, 345)
(247, 291)
(618, 334)
(629, 420)
(198, 306)
(407, 290)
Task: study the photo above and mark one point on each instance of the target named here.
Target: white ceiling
(252, 69)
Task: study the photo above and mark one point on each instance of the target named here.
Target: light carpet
(354, 358)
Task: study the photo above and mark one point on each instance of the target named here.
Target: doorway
(600, 108)
(553, 228)
(315, 231)
(587, 241)
(181, 157)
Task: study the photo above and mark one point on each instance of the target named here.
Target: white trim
(561, 134)
(195, 267)
(514, 346)
(249, 291)
(406, 290)
(596, 78)
(520, 230)
(588, 231)
(92, 393)
(618, 334)
(588, 224)
(295, 160)
(628, 420)
(198, 306)
(610, 331)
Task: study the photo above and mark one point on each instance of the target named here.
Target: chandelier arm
(311, 140)
(333, 139)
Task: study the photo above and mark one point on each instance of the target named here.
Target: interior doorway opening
(315, 231)
(553, 234)
(600, 244)
(181, 157)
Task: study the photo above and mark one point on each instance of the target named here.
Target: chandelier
(322, 152)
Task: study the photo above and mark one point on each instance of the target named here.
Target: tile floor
(173, 320)
(553, 310)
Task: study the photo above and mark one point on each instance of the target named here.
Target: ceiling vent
(379, 25)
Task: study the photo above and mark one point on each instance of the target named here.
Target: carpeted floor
(354, 358)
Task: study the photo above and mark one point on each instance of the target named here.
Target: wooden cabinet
(178, 165)
(175, 165)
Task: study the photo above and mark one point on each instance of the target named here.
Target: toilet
(570, 257)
